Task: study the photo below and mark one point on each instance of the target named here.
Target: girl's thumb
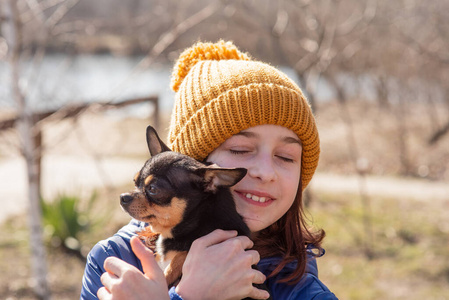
(146, 256)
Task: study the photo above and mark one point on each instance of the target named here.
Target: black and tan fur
(181, 199)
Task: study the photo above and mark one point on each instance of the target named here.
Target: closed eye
(237, 152)
(286, 159)
(241, 152)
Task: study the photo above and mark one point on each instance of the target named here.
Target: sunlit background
(80, 80)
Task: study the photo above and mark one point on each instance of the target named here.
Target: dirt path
(417, 189)
(61, 174)
(81, 175)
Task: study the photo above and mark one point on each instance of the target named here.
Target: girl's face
(272, 156)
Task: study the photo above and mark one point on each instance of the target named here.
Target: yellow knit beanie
(220, 91)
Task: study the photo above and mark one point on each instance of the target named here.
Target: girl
(235, 112)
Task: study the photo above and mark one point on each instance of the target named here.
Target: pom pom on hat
(203, 51)
(220, 92)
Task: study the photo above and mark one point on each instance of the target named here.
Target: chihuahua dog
(181, 199)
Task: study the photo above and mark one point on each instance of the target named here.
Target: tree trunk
(12, 32)
(354, 157)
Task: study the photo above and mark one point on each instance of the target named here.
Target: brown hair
(289, 238)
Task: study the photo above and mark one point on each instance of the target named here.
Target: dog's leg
(148, 237)
(174, 270)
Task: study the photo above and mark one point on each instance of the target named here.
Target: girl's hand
(218, 267)
(124, 281)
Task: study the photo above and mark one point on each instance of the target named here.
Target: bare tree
(16, 14)
(12, 31)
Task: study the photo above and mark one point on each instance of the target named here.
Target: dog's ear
(155, 144)
(215, 177)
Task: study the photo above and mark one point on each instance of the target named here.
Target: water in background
(61, 79)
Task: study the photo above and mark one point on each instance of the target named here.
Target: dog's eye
(152, 190)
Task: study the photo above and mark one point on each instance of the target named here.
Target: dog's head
(170, 183)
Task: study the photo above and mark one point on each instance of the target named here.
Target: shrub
(65, 221)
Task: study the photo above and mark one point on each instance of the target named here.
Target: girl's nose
(263, 169)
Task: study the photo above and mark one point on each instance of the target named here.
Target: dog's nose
(126, 199)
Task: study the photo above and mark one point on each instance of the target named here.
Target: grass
(65, 269)
(410, 255)
(409, 245)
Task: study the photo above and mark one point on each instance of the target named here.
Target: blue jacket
(310, 287)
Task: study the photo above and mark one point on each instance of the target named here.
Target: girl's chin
(254, 224)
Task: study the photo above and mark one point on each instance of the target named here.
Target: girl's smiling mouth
(260, 199)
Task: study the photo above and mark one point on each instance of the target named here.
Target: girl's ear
(215, 177)
(155, 144)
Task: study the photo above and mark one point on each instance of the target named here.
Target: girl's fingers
(103, 294)
(107, 280)
(259, 277)
(255, 256)
(215, 237)
(241, 242)
(146, 256)
(115, 266)
(258, 294)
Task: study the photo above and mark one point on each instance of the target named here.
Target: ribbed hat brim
(242, 107)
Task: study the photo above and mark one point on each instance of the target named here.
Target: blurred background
(80, 80)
